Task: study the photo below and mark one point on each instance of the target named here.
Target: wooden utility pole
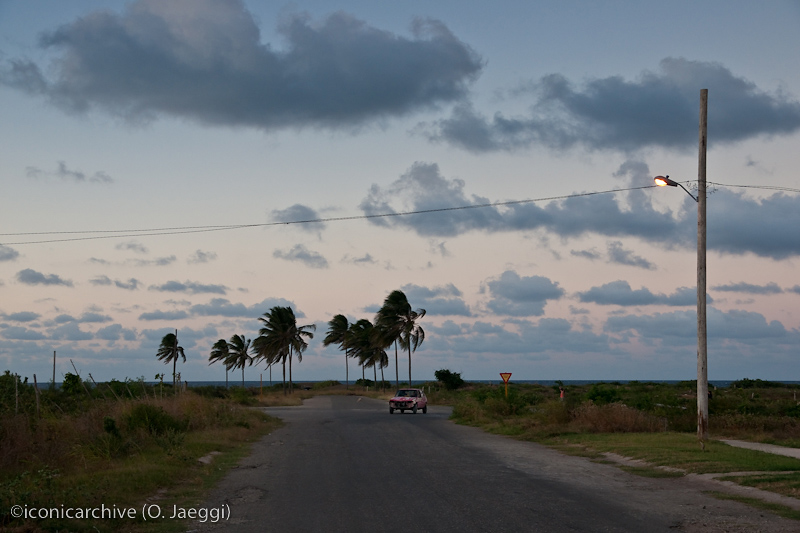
(54, 370)
(702, 331)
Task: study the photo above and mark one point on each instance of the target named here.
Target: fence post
(36, 389)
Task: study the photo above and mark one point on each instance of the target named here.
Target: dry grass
(109, 453)
(614, 418)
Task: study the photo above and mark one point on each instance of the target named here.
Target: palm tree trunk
(409, 363)
(375, 372)
(396, 367)
(283, 363)
(242, 375)
(346, 371)
(175, 362)
(383, 381)
(291, 388)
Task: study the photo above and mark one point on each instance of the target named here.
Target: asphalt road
(343, 463)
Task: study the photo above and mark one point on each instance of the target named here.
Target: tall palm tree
(239, 354)
(398, 321)
(220, 352)
(170, 351)
(280, 338)
(366, 346)
(337, 334)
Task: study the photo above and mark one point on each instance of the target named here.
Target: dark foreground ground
(343, 463)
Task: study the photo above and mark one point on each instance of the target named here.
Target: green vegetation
(118, 443)
(280, 339)
(651, 422)
(451, 380)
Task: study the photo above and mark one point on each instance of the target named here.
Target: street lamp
(702, 330)
(664, 181)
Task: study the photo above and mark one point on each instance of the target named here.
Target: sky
(188, 165)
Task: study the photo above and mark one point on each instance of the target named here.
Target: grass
(651, 422)
(778, 509)
(787, 484)
(82, 449)
(678, 450)
(123, 453)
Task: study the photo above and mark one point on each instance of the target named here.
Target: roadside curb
(709, 482)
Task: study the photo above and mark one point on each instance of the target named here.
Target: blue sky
(139, 118)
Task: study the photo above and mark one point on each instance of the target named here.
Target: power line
(119, 234)
(87, 235)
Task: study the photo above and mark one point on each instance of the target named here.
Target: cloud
(679, 328)
(204, 60)
(7, 253)
(618, 114)
(302, 254)
(90, 317)
(442, 300)
(32, 277)
(513, 295)
(531, 340)
(164, 315)
(115, 332)
(158, 261)
(620, 293)
(189, 287)
(749, 288)
(21, 334)
(132, 284)
(299, 213)
(366, 259)
(201, 257)
(591, 255)
(22, 316)
(132, 246)
(70, 331)
(223, 307)
(620, 256)
(65, 173)
(737, 224)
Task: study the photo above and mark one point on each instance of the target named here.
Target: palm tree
(398, 321)
(280, 338)
(170, 351)
(239, 354)
(220, 352)
(337, 334)
(366, 346)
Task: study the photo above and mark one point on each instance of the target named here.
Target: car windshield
(407, 393)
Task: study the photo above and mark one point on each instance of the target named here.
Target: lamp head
(664, 181)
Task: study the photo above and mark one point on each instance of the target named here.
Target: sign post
(506, 376)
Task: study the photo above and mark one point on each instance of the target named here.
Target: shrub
(451, 380)
(325, 384)
(154, 419)
(602, 395)
(242, 396)
(72, 384)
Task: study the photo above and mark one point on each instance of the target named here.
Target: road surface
(344, 464)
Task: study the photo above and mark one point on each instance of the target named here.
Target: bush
(72, 384)
(154, 419)
(325, 384)
(451, 380)
(602, 395)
